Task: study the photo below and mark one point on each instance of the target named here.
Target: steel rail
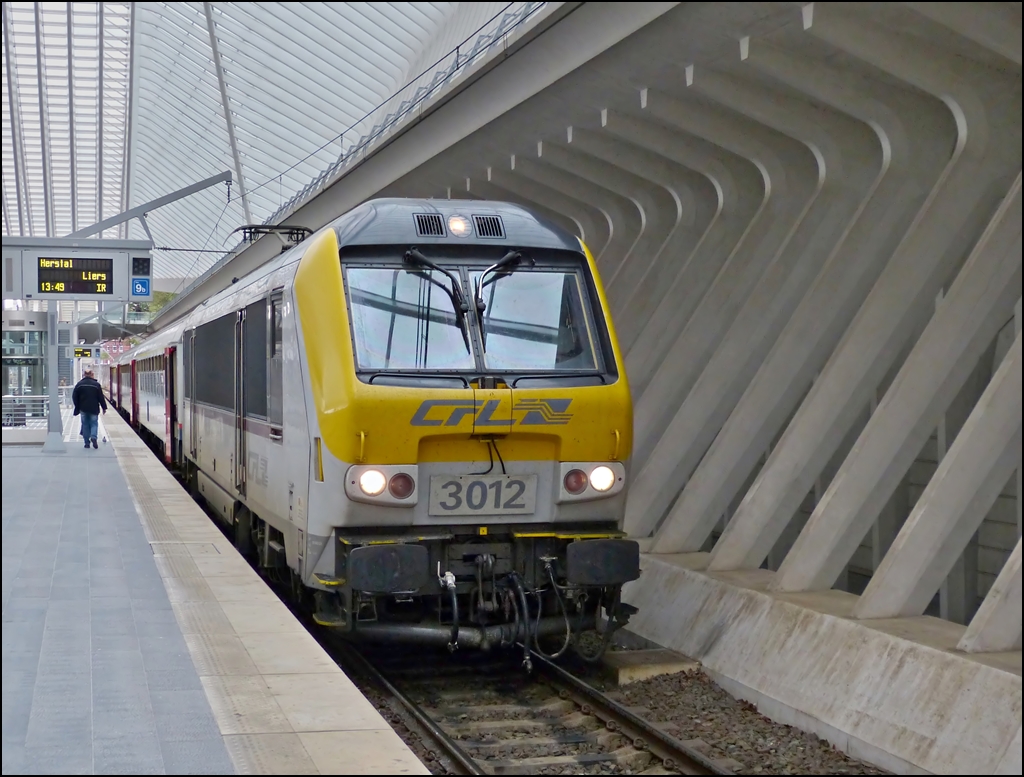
(450, 746)
(663, 746)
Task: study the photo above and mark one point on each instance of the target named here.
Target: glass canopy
(107, 106)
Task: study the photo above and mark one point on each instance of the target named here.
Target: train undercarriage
(552, 589)
(513, 586)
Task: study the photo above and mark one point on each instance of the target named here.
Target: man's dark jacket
(88, 397)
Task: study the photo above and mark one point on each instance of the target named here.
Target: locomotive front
(472, 429)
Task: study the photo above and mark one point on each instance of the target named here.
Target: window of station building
(213, 362)
(254, 372)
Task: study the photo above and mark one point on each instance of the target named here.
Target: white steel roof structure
(110, 105)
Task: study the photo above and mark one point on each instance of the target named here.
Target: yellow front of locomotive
(472, 426)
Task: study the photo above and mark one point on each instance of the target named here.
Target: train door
(190, 382)
(241, 458)
(134, 391)
(170, 416)
(275, 365)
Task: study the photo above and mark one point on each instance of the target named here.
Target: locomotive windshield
(534, 321)
(402, 320)
(531, 318)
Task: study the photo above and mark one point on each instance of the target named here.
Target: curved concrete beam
(659, 210)
(986, 107)
(668, 209)
(852, 164)
(997, 28)
(742, 196)
(490, 191)
(915, 133)
(700, 206)
(596, 223)
(795, 178)
(624, 218)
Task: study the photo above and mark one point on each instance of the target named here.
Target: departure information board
(76, 276)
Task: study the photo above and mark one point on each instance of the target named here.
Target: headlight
(458, 226)
(602, 478)
(372, 482)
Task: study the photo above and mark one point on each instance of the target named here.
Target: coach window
(255, 359)
(275, 342)
(186, 346)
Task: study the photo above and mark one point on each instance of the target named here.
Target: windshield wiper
(455, 294)
(509, 259)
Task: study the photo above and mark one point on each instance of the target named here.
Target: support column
(966, 484)
(997, 626)
(974, 311)
(55, 424)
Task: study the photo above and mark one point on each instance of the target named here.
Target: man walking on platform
(88, 399)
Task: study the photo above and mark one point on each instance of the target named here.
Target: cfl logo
(452, 412)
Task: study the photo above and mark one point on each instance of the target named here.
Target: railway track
(485, 715)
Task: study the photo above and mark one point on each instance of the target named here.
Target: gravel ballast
(693, 707)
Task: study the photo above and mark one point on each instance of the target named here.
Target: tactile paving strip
(218, 655)
(269, 754)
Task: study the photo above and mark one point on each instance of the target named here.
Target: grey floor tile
(135, 702)
(146, 614)
(30, 589)
(109, 592)
(173, 680)
(69, 593)
(59, 727)
(181, 702)
(23, 637)
(113, 628)
(98, 606)
(15, 725)
(15, 758)
(153, 590)
(198, 757)
(113, 724)
(128, 755)
(166, 629)
(21, 662)
(34, 573)
(59, 759)
(186, 727)
(106, 642)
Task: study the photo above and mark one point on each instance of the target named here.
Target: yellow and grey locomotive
(420, 415)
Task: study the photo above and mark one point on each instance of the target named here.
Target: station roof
(110, 105)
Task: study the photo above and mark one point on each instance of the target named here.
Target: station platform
(136, 640)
